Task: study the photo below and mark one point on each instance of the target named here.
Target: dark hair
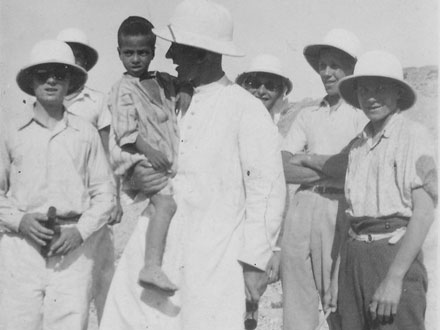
(134, 26)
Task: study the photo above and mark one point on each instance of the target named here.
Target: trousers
(309, 250)
(48, 294)
(363, 267)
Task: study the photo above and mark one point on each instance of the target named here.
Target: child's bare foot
(153, 275)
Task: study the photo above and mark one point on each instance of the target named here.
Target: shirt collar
(83, 93)
(222, 82)
(390, 127)
(29, 117)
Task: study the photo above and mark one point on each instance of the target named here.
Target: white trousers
(310, 245)
(50, 294)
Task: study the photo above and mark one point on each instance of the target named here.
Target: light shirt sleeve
(104, 116)
(10, 216)
(264, 183)
(417, 167)
(101, 189)
(296, 140)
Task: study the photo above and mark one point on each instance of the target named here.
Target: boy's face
(332, 68)
(377, 97)
(136, 54)
(51, 83)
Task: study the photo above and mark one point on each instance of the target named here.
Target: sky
(406, 28)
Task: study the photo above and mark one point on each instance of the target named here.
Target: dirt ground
(270, 311)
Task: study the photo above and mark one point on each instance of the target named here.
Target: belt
(324, 190)
(393, 236)
(67, 220)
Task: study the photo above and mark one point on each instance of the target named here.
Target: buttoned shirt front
(323, 131)
(382, 174)
(91, 105)
(65, 167)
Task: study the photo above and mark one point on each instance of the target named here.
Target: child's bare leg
(151, 273)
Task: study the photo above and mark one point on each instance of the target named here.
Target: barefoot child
(144, 121)
(391, 190)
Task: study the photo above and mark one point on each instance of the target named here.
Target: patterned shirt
(65, 167)
(382, 174)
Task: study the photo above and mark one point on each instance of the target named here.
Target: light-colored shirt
(65, 167)
(323, 131)
(91, 105)
(381, 176)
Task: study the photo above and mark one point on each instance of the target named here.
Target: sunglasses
(255, 83)
(58, 73)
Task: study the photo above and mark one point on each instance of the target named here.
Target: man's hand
(255, 281)
(117, 212)
(299, 159)
(69, 240)
(330, 300)
(385, 300)
(183, 100)
(30, 227)
(147, 179)
(273, 267)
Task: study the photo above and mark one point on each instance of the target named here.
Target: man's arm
(265, 196)
(10, 216)
(101, 189)
(387, 295)
(296, 173)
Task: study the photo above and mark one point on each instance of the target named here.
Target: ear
(119, 51)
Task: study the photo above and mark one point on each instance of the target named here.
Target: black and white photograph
(219, 164)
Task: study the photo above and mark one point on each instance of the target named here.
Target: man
(53, 166)
(229, 191)
(391, 190)
(309, 244)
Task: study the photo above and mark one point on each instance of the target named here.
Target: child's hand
(158, 160)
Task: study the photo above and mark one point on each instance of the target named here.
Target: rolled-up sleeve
(101, 189)
(265, 187)
(10, 216)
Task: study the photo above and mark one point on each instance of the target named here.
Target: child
(144, 121)
(391, 190)
(51, 158)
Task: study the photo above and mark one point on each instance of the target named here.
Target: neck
(333, 100)
(210, 70)
(379, 125)
(48, 115)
